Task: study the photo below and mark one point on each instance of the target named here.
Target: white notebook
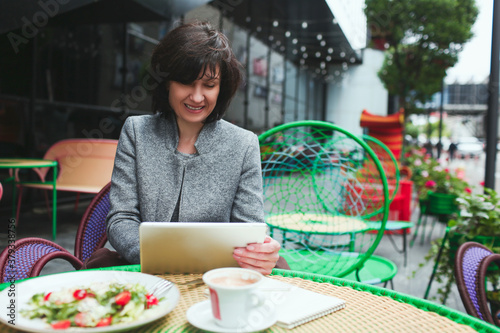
(295, 306)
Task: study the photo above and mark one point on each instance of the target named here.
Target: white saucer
(200, 316)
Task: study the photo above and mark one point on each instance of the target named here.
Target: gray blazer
(223, 183)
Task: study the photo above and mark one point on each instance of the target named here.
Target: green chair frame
(312, 197)
(391, 167)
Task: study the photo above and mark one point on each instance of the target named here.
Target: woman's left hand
(259, 257)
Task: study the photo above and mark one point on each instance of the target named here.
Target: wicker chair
(326, 197)
(31, 254)
(471, 263)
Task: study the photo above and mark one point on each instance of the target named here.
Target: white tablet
(194, 247)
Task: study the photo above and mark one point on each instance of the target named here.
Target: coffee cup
(233, 295)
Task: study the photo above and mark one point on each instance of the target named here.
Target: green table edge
(422, 304)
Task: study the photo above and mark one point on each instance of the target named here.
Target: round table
(369, 308)
(32, 163)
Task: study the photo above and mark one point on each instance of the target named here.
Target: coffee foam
(234, 280)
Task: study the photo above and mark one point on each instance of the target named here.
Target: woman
(185, 163)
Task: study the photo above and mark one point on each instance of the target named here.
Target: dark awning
(303, 30)
(19, 13)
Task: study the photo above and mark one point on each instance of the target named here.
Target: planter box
(441, 204)
(494, 307)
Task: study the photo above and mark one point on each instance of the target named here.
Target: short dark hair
(189, 50)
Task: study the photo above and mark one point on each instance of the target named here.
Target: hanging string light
(318, 37)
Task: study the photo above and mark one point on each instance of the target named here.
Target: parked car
(469, 146)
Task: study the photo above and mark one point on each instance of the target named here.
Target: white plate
(200, 316)
(22, 292)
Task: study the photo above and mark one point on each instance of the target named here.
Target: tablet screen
(194, 247)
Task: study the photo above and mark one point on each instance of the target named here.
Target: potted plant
(437, 186)
(419, 162)
(429, 175)
(478, 221)
(443, 188)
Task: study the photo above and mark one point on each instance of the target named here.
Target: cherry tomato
(123, 298)
(81, 319)
(104, 322)
(80, 294)
(46, 298)
(151, 301)
(61, 325)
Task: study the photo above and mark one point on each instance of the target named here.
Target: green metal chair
(326, 196)
(391, 167)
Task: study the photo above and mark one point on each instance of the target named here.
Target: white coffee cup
(233, 295)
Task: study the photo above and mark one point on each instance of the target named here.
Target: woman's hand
(259, 257)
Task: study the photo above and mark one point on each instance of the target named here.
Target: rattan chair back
(91, 234)
(26, 257)
(471, 264)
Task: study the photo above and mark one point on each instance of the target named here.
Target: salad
(103, 304)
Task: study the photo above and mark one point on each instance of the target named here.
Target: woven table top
(365, 312)
(317, 223)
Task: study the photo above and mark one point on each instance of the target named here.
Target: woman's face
(194, 102)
